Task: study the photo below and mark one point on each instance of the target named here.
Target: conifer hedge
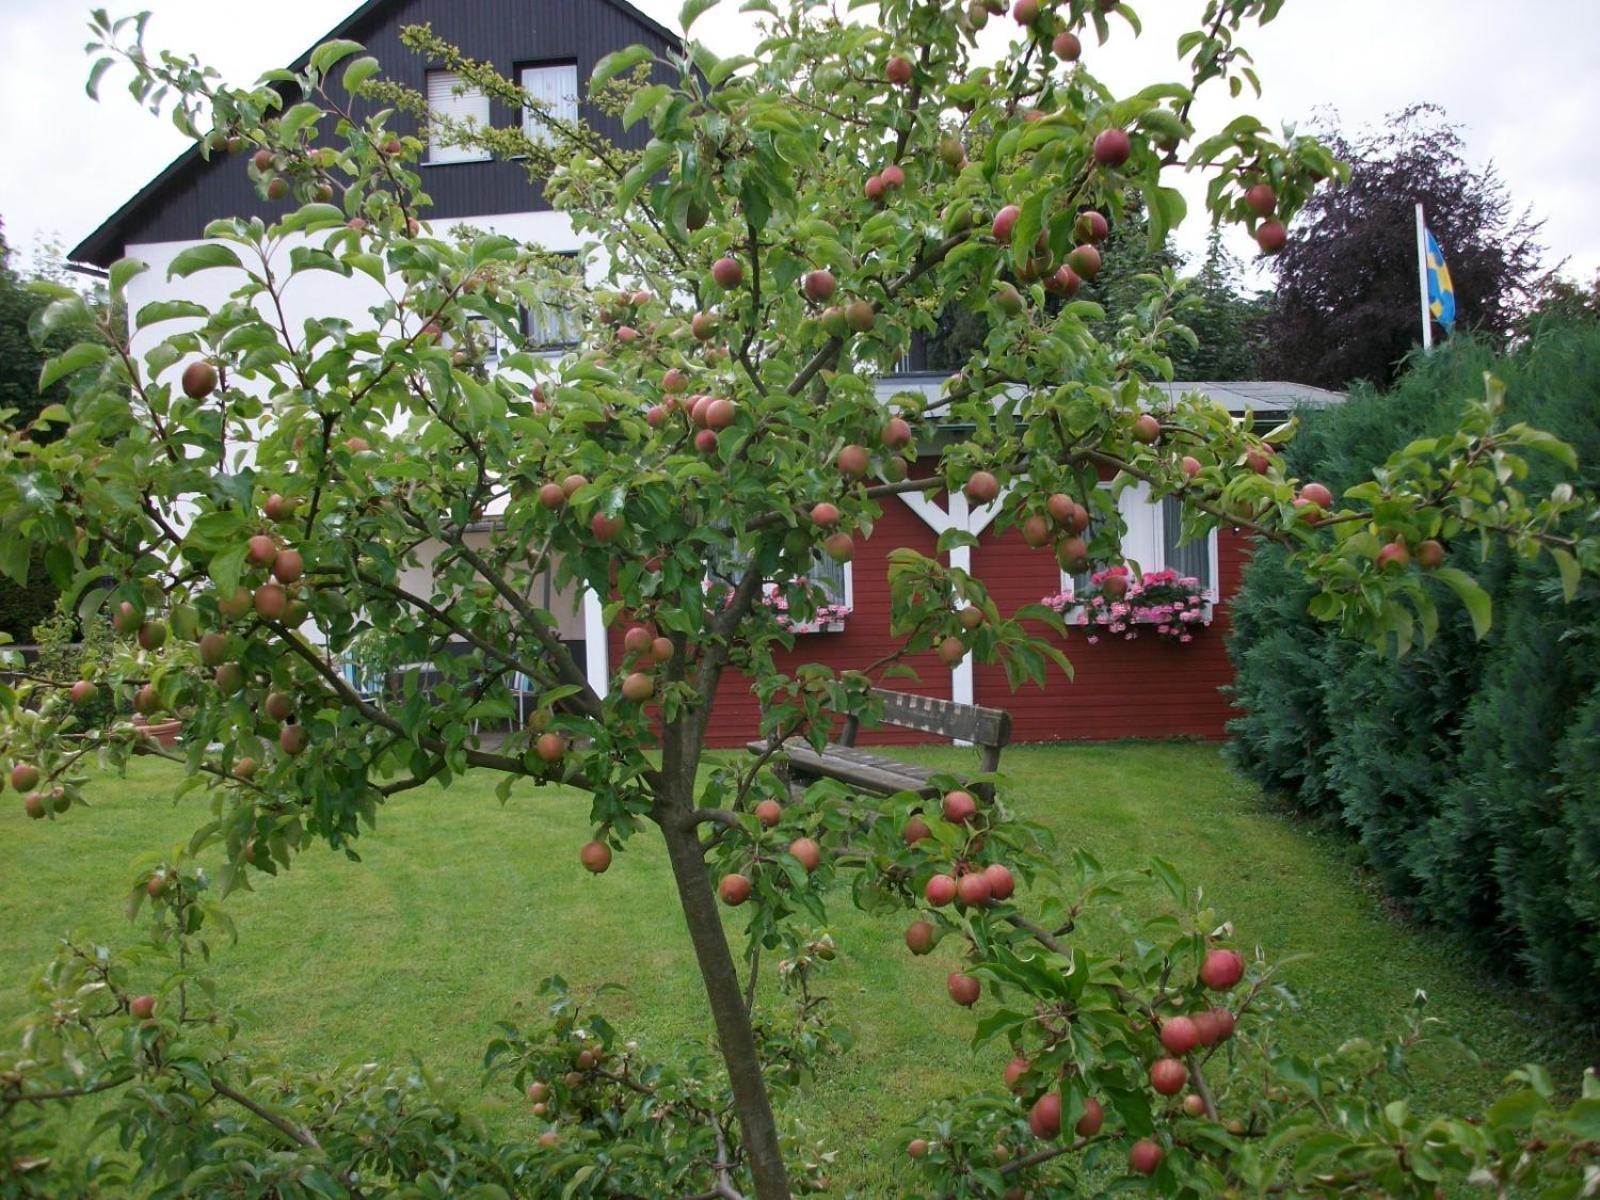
(1468, 772)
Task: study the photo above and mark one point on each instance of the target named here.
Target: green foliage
(696, 422)
(1461, 769)
(26, 601)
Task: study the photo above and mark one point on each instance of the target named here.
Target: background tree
(794, 219)
(26, 598)
(1228, 319)
(1215, 305)
(1346, 306)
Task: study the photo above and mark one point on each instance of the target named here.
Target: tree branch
(284, 1126)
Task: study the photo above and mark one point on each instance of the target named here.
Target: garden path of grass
(461, 906)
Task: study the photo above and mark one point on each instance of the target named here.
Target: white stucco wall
(322, 294)
(315, 293)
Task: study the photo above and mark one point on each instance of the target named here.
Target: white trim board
(958, 515)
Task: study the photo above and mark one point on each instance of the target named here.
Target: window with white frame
(835, 580)
(833, 577)
(551, 323)
(1153, 538)
(451, 102)
(1194, 559)
(554, 87)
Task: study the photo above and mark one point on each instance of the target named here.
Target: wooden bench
(987, 728)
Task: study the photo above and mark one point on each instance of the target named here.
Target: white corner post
(1422, 279)
(597, 667)
(959, 515)
(961, 688)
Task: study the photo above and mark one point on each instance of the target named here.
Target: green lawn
(462, 905)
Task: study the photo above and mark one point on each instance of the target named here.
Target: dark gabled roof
(103, 245)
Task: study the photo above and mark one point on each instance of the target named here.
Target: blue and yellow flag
(1441, 292)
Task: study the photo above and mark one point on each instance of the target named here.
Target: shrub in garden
(1451, 766)
(708, 416)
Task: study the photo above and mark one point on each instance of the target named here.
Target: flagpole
(1422, 279)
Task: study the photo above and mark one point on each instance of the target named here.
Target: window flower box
(1118, 604)
(828, 618)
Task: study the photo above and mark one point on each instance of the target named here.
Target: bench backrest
(945, 718)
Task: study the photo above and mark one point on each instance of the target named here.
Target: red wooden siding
(865, 638)
(1144, 688)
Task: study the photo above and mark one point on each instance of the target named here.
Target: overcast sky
(1524, 87)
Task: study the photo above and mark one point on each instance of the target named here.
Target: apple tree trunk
(734, 1034)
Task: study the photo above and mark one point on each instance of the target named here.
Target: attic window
(449, 100)
(555, 87)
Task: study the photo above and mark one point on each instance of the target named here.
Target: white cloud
(1523, 87)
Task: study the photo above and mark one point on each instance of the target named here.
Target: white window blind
(1153, 539)
(555, 88)
(832, 577)
(449, 101)
(1191, 559)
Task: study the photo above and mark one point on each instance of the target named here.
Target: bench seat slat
(869, 771)
(987, 728)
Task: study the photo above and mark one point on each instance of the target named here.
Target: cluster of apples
(554, 495)
(274, 169)
(1062, 523)
(971, 886)
(1220, 971)
(642, 651)
(1270, 233)
(1082, 263)
(586, 1062)
(1313, 501)
(38, 802)
(620, 309)
(736, 887)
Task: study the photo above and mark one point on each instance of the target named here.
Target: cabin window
(1192, 559)
(550, 322)
(554, 87)
(1153, 538)
(451, 102)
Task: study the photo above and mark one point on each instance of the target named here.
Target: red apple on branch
(1168, 1076)
(920, 937)
(818, 285)
(1180, 1035)
(959, 807)
(199, 380)
(940, 891)
(1001, 882)
(973, 889)
(1221, 969)
(807, 852)
(1145, 1156)
(964, 989)
(1112, 148)
(595, 857)
(1094, 1116)
(1044, 1118)
(734, 890)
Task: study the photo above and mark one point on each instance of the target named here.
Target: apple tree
(241, 499)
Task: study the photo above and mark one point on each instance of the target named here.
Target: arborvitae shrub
(1469, 772)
